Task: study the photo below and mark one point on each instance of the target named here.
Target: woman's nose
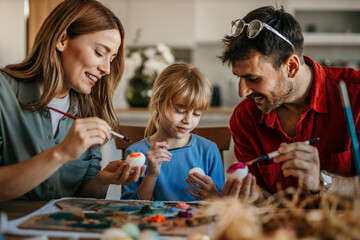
(105, 67)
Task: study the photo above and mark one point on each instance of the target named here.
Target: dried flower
(147, 63)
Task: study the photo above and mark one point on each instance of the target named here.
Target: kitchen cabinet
(167, 21)
(328, 22)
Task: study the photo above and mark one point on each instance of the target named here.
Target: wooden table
(19, 208)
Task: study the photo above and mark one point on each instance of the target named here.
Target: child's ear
(60, 46)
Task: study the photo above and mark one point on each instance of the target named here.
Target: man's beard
(277, 97)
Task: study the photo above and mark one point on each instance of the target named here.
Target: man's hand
(300, 160)
(245, 189)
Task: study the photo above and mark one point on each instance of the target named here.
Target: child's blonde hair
(178, 83)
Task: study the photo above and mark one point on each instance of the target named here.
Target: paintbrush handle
(74, 117)
(276, 153)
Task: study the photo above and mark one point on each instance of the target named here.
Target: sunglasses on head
(254, 28)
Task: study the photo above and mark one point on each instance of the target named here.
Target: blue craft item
(170, 210)
(157, 204)
(350, 123)
(131, 229)
(149, 235)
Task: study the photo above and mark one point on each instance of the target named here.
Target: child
(180, 94)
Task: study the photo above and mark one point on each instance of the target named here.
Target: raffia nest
(287, 215)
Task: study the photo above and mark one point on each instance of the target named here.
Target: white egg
(198, 170)
(113, 233)
(240, 172)
(135, 159)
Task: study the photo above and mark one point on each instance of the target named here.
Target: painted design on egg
(135, 159)
(237, 170)
(198, 170)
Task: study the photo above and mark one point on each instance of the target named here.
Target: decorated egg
(198, 170)
(237, 170)
(135, 159)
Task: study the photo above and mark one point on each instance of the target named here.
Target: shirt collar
(317, 98)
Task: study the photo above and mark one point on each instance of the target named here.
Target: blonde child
(180, 94)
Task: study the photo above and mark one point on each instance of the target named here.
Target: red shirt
(256, 134)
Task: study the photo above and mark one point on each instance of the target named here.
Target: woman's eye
(197, 114)
(98, 53)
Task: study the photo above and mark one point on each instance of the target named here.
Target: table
(19, 208)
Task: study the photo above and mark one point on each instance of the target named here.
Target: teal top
(24, 134)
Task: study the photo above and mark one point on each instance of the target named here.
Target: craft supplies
(135, 159)
(197, 170)
(237, 170)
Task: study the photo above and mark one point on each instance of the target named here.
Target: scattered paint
(157, 204)
(157, 218)
(185, 214)
(146, 209)
(182, 205)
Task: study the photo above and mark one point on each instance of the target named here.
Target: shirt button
(51, 188)
(49, 137)
(56, 142)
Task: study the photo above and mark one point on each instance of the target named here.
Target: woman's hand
(205, 187)
(156, 155)
(245, 189)
(119, 172)
(83, 134)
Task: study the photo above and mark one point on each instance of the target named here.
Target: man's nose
(244, 90)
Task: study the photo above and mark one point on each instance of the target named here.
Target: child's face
(181, 121)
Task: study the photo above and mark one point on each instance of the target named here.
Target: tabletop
(19, 208)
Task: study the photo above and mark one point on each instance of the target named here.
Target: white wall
(12, 32)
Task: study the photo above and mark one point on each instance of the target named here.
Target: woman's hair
(179, 83)
(267, 43)
(43, 64)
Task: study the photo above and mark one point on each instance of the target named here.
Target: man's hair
(267, 43)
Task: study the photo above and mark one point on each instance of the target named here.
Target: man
(290, 99)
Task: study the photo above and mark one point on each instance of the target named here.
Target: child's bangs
(193, 97)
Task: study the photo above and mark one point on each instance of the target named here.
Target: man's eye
(197, 114)
(253, 79)
(98, 53)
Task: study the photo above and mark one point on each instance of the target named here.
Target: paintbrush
(275, 153)
(74, 117)
(172, 149)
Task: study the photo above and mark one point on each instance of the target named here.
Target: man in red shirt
(289, 99)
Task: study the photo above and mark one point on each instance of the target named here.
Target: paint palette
(92, 215)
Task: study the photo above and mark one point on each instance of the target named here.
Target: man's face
(261, 82)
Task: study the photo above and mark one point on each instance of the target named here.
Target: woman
(75, 65)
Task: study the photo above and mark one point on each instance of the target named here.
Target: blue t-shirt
(170, 185)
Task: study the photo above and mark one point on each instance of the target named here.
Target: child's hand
(155, 156)
(207, 187)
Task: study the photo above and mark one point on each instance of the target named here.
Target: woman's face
(86, 59)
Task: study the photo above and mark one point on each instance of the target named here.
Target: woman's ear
(293, 65)
(60, 46)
